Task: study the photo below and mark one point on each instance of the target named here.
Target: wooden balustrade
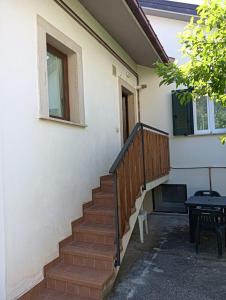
(131, 175)
(156, 153)
(144, 158)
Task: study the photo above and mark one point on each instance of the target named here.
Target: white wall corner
(2, 223)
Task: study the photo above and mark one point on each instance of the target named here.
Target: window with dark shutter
(182, 116)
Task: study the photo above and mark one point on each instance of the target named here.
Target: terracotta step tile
(48, 294)
(107, 188)
(99, 214)
(87, 249)
(104, 198)
(80, 281)
(96, 228)
(98, 256)
(106, 177)
(94, 233)
(102, 209)
(102, 194)
(106, 183)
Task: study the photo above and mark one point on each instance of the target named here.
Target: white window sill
(206, 134)
(210, 133)
(62, 121)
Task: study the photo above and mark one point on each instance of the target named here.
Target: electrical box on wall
(114, 70)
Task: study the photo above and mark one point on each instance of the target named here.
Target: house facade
(191, 153)
(76, 78)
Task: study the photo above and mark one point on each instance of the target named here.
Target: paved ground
(166, 267)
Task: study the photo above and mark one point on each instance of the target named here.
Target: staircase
(85, 268)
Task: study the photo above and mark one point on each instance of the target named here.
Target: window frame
(211, 119)
(216, 130)
(48, 34)
(196, 130)
(66, 104)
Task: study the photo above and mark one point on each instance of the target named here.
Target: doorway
(128, 114)
(170, 198)
(125, 116)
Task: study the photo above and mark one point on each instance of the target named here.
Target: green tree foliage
(204, 44)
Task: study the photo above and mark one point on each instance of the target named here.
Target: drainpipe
(138, 88)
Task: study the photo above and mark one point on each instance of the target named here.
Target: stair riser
(91, 262)
(94, 238)
(103, 202)
(108, 202)
(74, 289)
(107, 187)
(106, 180)
(99, 219)
(109, 195)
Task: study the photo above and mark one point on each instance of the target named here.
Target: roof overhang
(169, 9)
(126, 22)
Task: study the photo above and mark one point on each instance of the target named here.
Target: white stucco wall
(2, 211)
(192, 151)
(2, 216)
(2, 234)
(50, 168)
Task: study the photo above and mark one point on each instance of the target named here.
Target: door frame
(132, 94)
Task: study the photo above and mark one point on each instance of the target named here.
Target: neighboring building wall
(50, 168)
(2, 211)
(156, 110)
(2, 216)
(2, 233)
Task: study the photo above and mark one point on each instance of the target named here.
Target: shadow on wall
(200, 179)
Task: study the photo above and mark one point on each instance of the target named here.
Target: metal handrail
(201, 168)
(118, 160)
(130, 139)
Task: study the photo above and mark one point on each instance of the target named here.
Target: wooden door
(125, 116)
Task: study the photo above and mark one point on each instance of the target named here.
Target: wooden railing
(144, 158)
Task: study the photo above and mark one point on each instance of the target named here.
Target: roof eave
(147, 28)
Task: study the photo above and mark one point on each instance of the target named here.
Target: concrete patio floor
(166, 267)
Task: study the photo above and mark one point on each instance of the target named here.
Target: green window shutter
(183, 123)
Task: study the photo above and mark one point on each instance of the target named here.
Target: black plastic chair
(210, 220)
(207, 193)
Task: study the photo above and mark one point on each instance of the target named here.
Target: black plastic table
(202, 201)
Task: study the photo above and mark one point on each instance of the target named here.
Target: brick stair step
(73, 279)
(106, 177)
(99, 214)
(101, 194)
(90, 250)
(106, 183)
(104, 198)
(94, 233)
(97, 256)
(95, 229)
(48, 294)
(100, 209)
(107, 188)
